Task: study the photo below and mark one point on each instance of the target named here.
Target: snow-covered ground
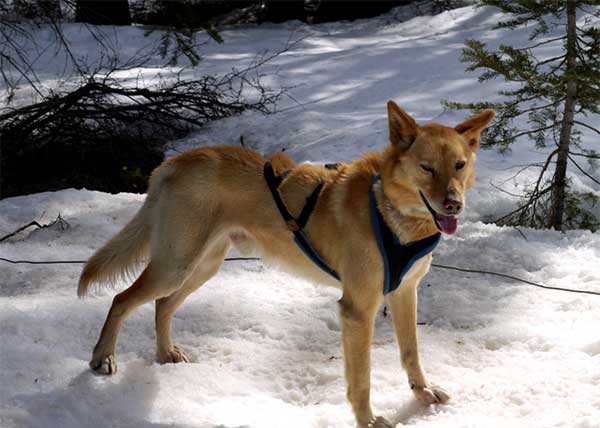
(266, 345)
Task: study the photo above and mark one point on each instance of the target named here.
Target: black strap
(311, 203)
(274, 181)
(297, 225)
(294, 224)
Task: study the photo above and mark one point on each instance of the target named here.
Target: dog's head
(430, 167)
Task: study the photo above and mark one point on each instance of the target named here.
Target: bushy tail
(119, 257)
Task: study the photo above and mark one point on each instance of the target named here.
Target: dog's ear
(403, 128)
(472, 127)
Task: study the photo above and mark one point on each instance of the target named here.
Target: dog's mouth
(445, 223)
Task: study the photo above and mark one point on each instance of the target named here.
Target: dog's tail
(120, 257)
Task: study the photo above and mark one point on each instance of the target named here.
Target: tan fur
(202, 201)
(281, 162)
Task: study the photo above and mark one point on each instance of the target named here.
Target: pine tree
(555, 94)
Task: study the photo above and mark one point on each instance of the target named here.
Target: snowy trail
(265, 345)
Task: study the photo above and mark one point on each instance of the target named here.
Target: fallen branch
(110, 135)
(63, 224)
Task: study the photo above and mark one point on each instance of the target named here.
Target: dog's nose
(452, 206)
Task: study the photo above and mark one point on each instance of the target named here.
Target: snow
(265, 346)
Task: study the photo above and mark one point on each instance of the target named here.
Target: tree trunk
(103, 12)
(559, 182)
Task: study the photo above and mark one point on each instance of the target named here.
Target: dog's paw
(431, 394)
(174, 355)
(378, 422)
(106, 365)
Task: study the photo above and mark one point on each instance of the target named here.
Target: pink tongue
(447, 223)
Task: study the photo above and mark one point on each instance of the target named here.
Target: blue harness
(398, 258)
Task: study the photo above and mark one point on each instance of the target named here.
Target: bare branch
(585, 155)
(500, 189)
(524, 206)
(588, 175)
(534, 195)
(544, 42)
(585, 125)
(522, 168)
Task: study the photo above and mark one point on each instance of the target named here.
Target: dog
(204, 201)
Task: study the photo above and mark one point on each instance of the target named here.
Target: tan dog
(203, 201)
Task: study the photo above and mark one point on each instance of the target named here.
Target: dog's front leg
(357, 330)
(403, 303)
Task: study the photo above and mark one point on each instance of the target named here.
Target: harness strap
(398, 258)
(311, 203)
(302, 241)
(274, 181)
(296, 226)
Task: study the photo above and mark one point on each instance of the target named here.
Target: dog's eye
(460, 165)
(427, 168)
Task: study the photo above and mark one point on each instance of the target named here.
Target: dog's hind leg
(166, 307)
(154, 282)
(174, 258)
